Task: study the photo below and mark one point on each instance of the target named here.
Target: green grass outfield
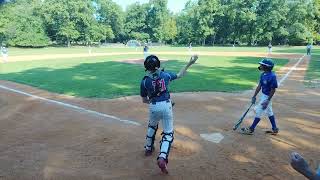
(105, 77)
(103, 49)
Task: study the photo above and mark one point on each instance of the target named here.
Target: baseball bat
(235, 127)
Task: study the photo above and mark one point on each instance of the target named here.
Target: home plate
(213, 137)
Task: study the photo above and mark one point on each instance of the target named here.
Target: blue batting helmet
(268, 63)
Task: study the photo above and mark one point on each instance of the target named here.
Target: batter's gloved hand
(253, 100)
(265, 104)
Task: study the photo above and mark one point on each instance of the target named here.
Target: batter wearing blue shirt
(154, 90)
(268, 83)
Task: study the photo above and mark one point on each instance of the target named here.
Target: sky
(174, 5)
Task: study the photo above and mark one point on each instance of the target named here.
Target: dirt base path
(42, 140)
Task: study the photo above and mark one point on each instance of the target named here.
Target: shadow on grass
(115, 79)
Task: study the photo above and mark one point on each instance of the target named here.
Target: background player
(309, 46)
(4, 53)
(269, 48)
(145, 51)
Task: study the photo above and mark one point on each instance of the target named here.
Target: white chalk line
(71, 106)
(291, 69)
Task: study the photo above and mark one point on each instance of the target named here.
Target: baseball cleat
(273, 131)
(162, 163)
(246, 131)
(148, 152)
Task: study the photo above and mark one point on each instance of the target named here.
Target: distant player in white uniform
(4, 53)
(154, 90)
(90, 50)
(270, 48)
(190, 47)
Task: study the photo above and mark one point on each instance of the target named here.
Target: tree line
(39, 23)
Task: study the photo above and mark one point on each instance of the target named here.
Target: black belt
(155, 102)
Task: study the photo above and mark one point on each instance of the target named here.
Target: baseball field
(76, 113)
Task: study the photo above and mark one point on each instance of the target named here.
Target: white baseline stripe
(71, 106)
(291, 69)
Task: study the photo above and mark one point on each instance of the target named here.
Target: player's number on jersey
(160, 85)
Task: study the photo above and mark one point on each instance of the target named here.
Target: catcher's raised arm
(192, 60)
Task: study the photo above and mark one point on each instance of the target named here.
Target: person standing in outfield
(270, 48)
(145, 51)
(190, 47)
(309, 47)
(4, 53)
(299, 164)
(154, 90)
(268, 83)
(90, 50)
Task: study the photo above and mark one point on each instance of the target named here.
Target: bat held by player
(238, 123)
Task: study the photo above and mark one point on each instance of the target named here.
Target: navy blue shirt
(268, 81)
(148, 86)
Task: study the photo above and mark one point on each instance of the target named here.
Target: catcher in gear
(154, 90)
(268, 84)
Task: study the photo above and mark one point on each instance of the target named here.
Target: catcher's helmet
(267, 63)
(152, 63)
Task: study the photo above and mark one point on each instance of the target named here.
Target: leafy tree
(69, 20)
(271, 21)
(169, 30)
(110, 14)
(37, 23)
(186, 24)
(205, 16)
(23, 27)
(300, 17)
(158, 13)
(3, 24)
(135, 22)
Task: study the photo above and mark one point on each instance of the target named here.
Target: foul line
(71, 106)
(291, 69)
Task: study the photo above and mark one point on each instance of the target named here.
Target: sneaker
(162, 163)
(273, 131)
(246, 131)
